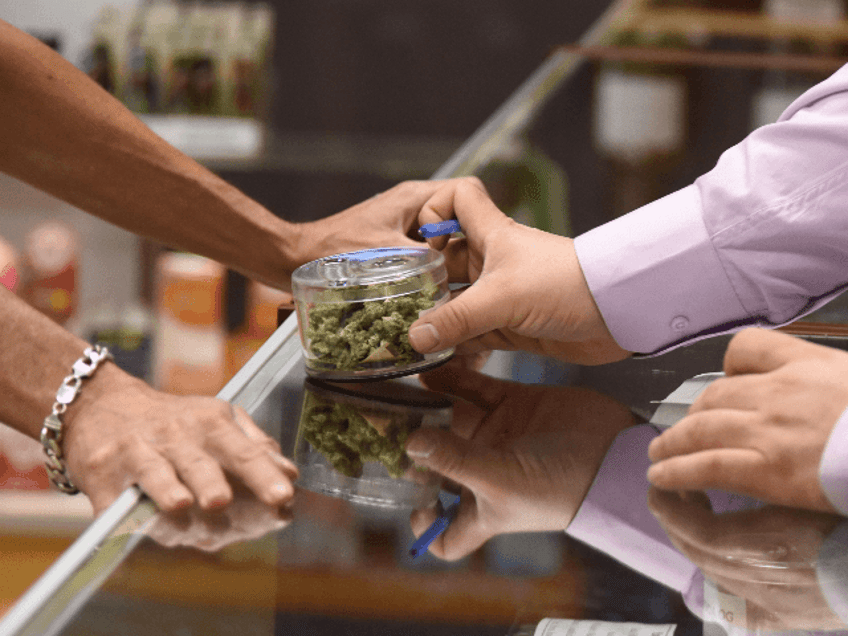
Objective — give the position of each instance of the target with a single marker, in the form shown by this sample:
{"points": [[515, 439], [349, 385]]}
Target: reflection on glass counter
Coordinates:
{"points": [[556, 520], [350, 443]]}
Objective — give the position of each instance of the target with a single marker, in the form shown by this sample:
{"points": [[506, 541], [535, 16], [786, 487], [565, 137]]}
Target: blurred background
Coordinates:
{"points": [[311, 106]]}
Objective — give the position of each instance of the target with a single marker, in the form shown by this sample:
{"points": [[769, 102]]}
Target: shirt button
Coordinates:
{"points": [[679, 323]]}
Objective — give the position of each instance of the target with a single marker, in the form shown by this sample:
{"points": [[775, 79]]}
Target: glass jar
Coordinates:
{"points": [[354, 311]]}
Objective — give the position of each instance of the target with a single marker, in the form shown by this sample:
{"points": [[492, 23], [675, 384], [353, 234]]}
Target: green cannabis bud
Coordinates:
{"points": [[349, 437], [368, 334]]}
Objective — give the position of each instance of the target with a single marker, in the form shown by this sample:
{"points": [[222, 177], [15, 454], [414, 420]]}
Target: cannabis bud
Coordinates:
{"points": [[355, 310]]}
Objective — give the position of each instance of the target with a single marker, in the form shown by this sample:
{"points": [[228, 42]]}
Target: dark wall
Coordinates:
{"points": [[436, 67]]}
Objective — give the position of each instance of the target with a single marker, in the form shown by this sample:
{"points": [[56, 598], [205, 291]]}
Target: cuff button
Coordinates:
{"points": [[680, 323]]}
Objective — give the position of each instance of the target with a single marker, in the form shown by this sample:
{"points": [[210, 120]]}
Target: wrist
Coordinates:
{"points": [[290, 246], [108, 379], [54, 426]]}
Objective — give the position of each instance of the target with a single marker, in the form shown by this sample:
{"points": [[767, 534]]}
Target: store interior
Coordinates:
{"points": [[311, 106]]}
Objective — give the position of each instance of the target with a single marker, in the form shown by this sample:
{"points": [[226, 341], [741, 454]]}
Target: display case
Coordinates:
{"points": [[336, 563], [339, 561]]}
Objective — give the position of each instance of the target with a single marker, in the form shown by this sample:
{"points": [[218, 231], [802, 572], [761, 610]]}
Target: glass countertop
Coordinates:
{"points": [[338, 561]]}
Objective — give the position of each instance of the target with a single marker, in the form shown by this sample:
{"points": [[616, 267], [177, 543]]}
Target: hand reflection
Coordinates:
{"points": [[524, 455], [244, 519], [765, 556]]}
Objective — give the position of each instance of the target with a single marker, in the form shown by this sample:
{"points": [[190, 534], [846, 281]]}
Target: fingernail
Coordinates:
{"points": [[418, 449], [180, 499], [280, 460], [424, 337], [281, 491]]}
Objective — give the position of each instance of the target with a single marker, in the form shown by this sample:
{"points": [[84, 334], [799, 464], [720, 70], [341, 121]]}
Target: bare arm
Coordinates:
{"points": [[119, 431], [35, 355], [62, 133]]}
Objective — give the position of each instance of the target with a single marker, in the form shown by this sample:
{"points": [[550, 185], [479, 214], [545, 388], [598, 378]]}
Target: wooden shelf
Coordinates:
{"points": [[701, 22]]}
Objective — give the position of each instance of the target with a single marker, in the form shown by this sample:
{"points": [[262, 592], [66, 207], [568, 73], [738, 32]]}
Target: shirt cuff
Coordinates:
{"points": [[614, 517], [660, 254], [833, 474]]}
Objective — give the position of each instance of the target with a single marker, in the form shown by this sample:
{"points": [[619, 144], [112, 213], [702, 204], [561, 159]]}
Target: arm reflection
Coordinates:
{"points": [[524, 456], [770, 557]]}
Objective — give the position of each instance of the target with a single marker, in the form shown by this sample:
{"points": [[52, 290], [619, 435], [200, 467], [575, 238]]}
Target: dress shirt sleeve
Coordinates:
{"points": [[614, 516], [761, 239]]}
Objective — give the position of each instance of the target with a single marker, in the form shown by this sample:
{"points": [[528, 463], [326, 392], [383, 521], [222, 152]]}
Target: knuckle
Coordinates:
{"points": [[469, 186], [99, 459], [196, 460], [404, 188], [476, 182], [451, 463], [247, 453], [741, 346], [220, 410], [714, 395], [456, 318]]}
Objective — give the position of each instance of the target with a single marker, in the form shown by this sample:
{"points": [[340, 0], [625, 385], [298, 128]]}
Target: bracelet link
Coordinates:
{"points": [[52, 430], [53, 423]]}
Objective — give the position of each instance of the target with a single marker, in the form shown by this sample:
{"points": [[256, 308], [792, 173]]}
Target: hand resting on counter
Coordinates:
{"points": [[762, 430]]}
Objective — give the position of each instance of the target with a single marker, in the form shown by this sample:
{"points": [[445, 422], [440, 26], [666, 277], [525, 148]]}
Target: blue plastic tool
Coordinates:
{"points": [[432, 230], [439, 526]]}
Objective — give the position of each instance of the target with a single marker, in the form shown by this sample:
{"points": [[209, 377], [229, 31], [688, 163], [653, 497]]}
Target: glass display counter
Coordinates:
{"points": [[340, 563], [519, 549]]}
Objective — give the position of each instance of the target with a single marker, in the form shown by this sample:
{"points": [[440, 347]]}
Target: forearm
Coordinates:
{"points": [[62, 133], [35, 355], [761, 237]]}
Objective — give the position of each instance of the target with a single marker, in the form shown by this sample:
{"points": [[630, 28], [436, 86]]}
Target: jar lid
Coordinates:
{"points": [[367, 267]]}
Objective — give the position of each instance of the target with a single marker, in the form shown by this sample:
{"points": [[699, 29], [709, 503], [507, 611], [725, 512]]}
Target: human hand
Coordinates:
{"points": [[524, 455], [387, 219], [246, 518], [121, 432], [761, 430], [767, 557], [528, 290]]}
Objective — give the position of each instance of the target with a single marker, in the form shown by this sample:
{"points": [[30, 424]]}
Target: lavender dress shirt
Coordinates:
{"points": [[761, 239]]}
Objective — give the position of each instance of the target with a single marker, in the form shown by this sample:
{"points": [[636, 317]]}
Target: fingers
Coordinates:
{"points": [[705, 430], [477, 388], [463, 536], [269, 475], [484, 306], [456, 261], [731, 469], [253, 432], [466, 200], [453, 457], [741, 392], [229, 441], [157, 477], [761, 350]]}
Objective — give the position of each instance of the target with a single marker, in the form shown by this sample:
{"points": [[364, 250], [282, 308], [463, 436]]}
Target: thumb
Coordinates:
{"points": [[452, 457], [480, 308]]}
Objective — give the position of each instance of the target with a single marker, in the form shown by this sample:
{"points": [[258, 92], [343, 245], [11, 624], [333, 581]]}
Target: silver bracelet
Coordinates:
{"points": [[51, 434]]}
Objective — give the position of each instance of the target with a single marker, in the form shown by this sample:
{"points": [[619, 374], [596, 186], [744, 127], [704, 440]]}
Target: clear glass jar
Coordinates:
{"points": [[354, 311]]}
